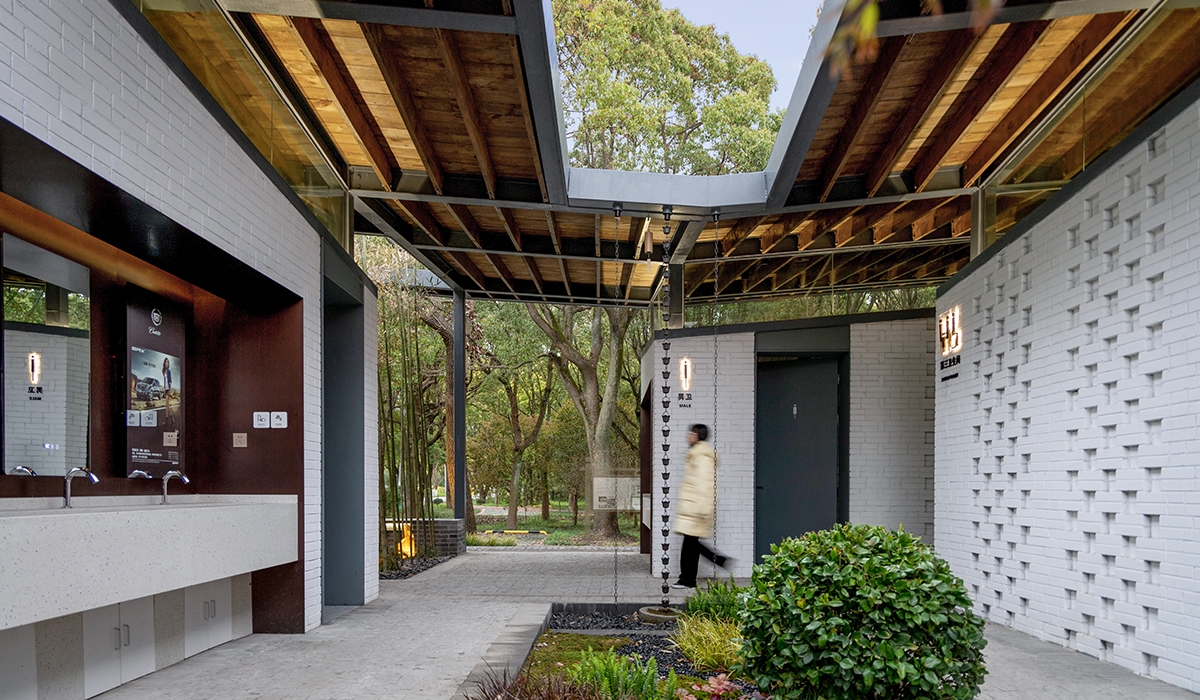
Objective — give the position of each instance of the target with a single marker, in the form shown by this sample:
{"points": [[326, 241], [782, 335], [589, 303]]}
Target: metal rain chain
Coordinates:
{"points": [[716, 217], [666, 404], [617, 258]]}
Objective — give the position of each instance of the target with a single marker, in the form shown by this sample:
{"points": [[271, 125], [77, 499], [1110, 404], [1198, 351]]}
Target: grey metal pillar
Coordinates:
{"points": [[675, 279], [460, 404], [983, 220]]}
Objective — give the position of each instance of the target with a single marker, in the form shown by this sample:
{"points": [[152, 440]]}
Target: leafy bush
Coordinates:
{"points": [[718, 600], [474, 540], [622, 677], [711, 644], [860, 612]]}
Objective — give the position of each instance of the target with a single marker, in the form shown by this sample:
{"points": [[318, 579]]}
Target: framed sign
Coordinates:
{"points": [[155, 346]]}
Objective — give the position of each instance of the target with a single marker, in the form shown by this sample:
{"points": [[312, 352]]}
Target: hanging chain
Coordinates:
{"points": [[716, 379], [666, 404], [617, 257]]}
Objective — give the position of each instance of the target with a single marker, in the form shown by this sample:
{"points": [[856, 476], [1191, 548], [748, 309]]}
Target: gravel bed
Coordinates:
{"points": [[669, 658], [604, 621], [412, 567]]}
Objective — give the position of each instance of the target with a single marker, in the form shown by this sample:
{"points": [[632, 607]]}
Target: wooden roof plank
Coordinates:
{"points": [[1007, 55], [511, 227], [452, 59], [951, 59], [463, 217], [868, 97], [400, 90], [1049, 85]]}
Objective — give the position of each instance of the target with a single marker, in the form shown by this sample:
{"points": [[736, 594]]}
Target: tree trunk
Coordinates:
{"points": [[545, 494], [470, 524], [448, 430], [574, 508], [514, 493]]}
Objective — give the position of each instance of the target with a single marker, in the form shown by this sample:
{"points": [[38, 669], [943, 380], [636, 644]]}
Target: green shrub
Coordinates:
{"points": [[718, 600], [622, 677], [860, 612], [474, 540], [710, 643]]}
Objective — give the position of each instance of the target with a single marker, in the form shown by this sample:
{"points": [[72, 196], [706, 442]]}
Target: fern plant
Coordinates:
{"points": [[621, 677]]}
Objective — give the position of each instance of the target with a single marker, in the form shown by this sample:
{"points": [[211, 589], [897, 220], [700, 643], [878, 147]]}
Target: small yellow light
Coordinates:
{"points": [[35, 368]]}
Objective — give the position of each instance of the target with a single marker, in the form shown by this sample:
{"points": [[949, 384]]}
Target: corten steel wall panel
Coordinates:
{"points": [[1067, 447]]}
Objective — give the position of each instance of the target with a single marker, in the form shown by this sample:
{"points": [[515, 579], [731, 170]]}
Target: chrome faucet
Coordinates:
{"points": [[67, 483], [171, 475], [22, 470], [139, 474]]}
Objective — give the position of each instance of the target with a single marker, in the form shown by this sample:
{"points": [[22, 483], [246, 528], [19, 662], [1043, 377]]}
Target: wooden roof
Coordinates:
{"points": [[438, 114]]}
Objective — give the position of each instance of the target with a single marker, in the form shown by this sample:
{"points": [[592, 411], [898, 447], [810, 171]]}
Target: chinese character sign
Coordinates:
{"points": [[950, 332]]}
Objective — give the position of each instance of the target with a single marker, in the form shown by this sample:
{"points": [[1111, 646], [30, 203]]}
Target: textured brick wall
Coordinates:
{"points": [[77, 76], [891, 425], [1067, 452], [371, 453], [56, 416], [732, 426]]}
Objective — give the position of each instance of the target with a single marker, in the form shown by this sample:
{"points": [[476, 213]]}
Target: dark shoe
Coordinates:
{"points": [[724, 562], [679, 584]]}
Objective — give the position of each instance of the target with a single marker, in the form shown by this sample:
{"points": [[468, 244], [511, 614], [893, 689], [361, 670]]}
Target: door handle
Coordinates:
{"points": [[117, 647], [126, 634], [206, 610]]}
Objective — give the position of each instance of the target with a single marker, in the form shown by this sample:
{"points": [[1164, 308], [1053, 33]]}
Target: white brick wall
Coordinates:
{"points": [[77, 76], [891, 425], [732, 435], [57, 416], [1067, 452], [371, 453]]}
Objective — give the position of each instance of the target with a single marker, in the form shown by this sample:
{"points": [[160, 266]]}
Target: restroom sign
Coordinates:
{"points": [[950, 331]]}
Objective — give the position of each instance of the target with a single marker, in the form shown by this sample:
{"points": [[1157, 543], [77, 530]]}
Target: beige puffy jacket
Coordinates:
{"points": [[697, 497]]}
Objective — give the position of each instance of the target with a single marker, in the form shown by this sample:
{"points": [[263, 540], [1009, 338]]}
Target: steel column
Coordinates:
{"points": [[460, 404]]}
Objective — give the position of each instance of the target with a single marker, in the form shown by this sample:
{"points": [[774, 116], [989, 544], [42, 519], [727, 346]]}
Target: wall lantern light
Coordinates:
{"points": [[35, 367], [685, 373], [950, 331]]}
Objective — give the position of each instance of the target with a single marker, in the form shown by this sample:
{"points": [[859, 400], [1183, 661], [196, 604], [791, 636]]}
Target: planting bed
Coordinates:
{"points": [[668, 657], [412, 567], [604, 621]]}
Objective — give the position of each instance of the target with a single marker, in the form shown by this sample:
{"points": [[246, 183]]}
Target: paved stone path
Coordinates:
{"points": [[424, 636]]}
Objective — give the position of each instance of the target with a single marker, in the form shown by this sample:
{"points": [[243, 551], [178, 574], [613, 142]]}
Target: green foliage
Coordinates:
{"points": [[622, 677], [860, 612], [645, 89], [554, 651], [718, 601], [710, 643], [477, 540]]}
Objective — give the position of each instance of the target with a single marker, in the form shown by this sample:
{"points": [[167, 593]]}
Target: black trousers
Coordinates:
{"points": [[689, 559]]}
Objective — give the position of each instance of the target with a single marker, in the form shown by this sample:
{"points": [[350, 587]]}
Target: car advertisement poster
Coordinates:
{"points": [[155, 332]]}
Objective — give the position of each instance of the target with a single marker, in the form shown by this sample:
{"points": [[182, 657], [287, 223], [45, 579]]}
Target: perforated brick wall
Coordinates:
{"points": [[80, 78], [1067, 453]]}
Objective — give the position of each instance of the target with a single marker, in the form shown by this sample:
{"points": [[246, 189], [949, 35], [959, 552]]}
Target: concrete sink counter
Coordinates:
{"points": [[56, 561]]}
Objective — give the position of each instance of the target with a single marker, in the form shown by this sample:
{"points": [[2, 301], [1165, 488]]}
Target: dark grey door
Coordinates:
{"points": [[796, 471]]}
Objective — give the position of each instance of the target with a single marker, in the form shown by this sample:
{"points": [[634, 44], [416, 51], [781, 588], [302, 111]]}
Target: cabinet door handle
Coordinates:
{"points": [[126, 634], [117, 646], [214, 608], [206, 610]]}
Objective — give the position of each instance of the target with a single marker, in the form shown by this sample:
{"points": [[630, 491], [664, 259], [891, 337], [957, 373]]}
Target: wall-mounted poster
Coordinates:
{"points": [[155, 333]]}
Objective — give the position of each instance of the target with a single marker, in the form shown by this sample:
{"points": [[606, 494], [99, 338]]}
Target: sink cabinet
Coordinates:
{"points": [[118, 644], [207, 615]]}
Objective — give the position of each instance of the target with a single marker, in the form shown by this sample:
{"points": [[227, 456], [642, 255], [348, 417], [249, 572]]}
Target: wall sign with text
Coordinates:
{"points": [[950, 340], [154, 398]]}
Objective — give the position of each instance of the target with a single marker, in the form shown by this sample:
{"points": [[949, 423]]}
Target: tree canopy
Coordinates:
{"points": [[645, 89]]}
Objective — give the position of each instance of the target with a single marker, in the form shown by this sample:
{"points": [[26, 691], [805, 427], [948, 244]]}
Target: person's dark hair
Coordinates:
{"points": [[701, 431]]}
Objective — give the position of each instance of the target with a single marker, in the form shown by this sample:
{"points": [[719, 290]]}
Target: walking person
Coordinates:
{"points": [[697, 506]]}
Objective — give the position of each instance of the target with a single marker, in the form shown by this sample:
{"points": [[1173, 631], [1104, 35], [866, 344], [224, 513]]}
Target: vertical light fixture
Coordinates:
{"points": [[35, 367]]}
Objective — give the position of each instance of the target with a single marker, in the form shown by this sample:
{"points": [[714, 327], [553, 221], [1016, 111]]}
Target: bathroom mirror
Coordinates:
{"points": [[47, 360]]}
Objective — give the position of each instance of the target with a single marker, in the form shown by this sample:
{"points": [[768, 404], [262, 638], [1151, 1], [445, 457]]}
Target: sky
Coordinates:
{"points": [[774, 30]]}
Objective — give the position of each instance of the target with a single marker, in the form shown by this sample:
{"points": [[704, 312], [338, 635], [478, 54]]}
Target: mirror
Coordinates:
{"points": [[47, 359]]}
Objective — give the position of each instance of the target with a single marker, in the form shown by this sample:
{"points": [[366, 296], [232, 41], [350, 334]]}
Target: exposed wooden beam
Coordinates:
{"points": [[394, 78], [694, 276], [471, 269], [527, 115], [377, 14], [566, 276], [331, 72], [510, 226], [766, 270], [452, 59], [1004, 59], [502, 270], [731, 273], [934, 220], [864, 106], [740, 231], [536, 273], [1098, 32], [419, 212], [935, 82], [641, 237], [625, 280], [783, 227], [469, 225], [555, 234]]}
